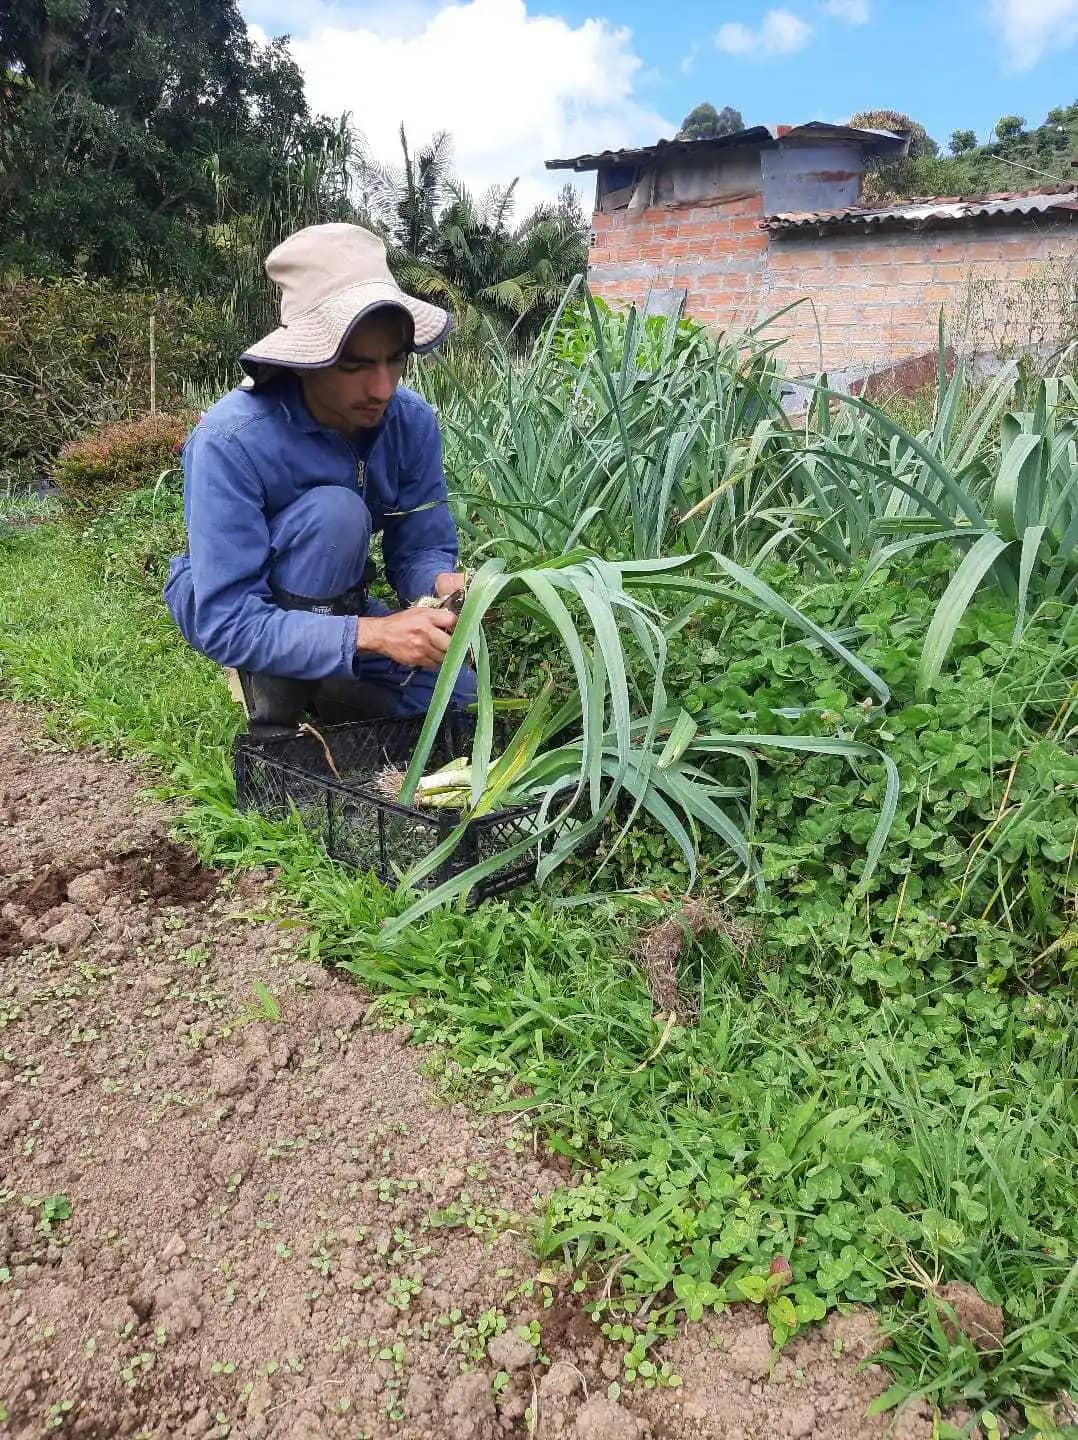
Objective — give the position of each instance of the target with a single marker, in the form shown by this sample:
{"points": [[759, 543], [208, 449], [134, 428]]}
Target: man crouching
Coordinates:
{"points": [[287, 478]]}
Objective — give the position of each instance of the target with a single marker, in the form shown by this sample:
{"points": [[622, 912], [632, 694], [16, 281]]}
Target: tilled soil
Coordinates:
{"points": [[231, 1206]]}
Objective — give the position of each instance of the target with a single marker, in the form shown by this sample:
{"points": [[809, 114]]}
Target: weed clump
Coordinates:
{"points": [[659, 948]]}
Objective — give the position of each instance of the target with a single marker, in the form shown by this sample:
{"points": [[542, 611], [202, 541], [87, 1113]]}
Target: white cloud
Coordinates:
{"points": [[782, 33], [512, 88], [387, 17], [1029, 27], [688, 62], [735, 38], [854, 12]]}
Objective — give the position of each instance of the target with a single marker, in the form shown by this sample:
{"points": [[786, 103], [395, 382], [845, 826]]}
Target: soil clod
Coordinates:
{"points": [[981, 1322]]}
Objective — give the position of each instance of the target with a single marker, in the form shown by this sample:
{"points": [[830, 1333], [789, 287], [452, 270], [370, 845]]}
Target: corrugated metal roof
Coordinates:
{"points": [[876, 142], [881, 142], [933, 210], [758, 135]]}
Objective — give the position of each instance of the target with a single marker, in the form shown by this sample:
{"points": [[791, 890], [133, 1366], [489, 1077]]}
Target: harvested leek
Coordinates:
{"points": [[449, 788], [453, 787]]}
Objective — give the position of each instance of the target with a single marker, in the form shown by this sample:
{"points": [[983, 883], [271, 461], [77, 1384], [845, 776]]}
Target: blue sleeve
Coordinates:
{"points": [[236, 620], [419, 539]]}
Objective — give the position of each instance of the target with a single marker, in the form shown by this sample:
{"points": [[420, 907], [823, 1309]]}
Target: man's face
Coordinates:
{"points": [[353, 394]]}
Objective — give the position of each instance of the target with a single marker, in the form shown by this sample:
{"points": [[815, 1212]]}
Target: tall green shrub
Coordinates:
{"points": [[75, 355]]}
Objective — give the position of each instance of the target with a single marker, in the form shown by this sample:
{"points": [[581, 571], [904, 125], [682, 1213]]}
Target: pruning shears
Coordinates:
{"points": [[453, 602]]}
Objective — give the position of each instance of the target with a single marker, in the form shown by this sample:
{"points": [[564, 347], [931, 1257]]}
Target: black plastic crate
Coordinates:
{"points": [[355, 822]]}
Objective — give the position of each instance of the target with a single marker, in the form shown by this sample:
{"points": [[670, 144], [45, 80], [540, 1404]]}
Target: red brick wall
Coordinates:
{"points": [[715, 252], [877, 297]]}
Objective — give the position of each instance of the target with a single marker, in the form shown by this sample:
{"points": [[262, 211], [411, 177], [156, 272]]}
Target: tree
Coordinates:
{"points": [[1009, 127], [152, 141], [107, 116], [1046, 151], [704, 122], [456, 250], [570, 207], [308, 186], [405, 200], [921, 143]]}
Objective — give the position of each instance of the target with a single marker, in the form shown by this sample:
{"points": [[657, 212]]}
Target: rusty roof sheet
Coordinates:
{"points": [[876, 142], [758, 135], [931, 211]]}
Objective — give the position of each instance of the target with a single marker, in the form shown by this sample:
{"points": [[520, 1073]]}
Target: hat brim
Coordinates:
{"points": [[316, 338]]}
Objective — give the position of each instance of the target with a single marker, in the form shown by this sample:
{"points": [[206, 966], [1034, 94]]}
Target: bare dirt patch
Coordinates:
{"points": [[215, 1223]]}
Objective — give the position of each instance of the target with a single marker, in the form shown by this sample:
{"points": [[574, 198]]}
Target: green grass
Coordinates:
{"points": [[867, 1092], [104, 657]]}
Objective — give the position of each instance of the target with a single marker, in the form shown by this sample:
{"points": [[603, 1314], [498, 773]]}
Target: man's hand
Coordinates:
{"points": [[417, 638], [448, 583]]}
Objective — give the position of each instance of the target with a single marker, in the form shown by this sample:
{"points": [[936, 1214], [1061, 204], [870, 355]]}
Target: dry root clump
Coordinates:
{"points": [[388, 782], [659, 948]]}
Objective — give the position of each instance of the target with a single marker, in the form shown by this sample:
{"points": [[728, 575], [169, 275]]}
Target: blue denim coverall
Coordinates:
{"points": [[280, 511]]}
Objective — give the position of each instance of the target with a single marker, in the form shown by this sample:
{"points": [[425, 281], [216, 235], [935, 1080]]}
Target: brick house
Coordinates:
{"points": [[734, 229]]}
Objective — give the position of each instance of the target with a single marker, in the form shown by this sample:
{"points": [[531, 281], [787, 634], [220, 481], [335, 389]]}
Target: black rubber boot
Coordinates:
{"points": [[278, 706], [275, 705]]}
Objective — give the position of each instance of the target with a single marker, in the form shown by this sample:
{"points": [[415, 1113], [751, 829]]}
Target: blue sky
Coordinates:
{"points": [[947, 64], [944, 64], [517, 82]]}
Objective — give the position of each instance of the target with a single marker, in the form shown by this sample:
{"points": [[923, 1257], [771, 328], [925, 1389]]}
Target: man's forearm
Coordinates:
{"points": [[370, 635]]}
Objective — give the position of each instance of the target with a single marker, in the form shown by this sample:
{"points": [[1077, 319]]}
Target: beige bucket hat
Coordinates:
{"points": [[330, 276]]}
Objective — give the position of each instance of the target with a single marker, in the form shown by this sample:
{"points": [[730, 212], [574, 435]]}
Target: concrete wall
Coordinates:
{"points": [[877, 297]]}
